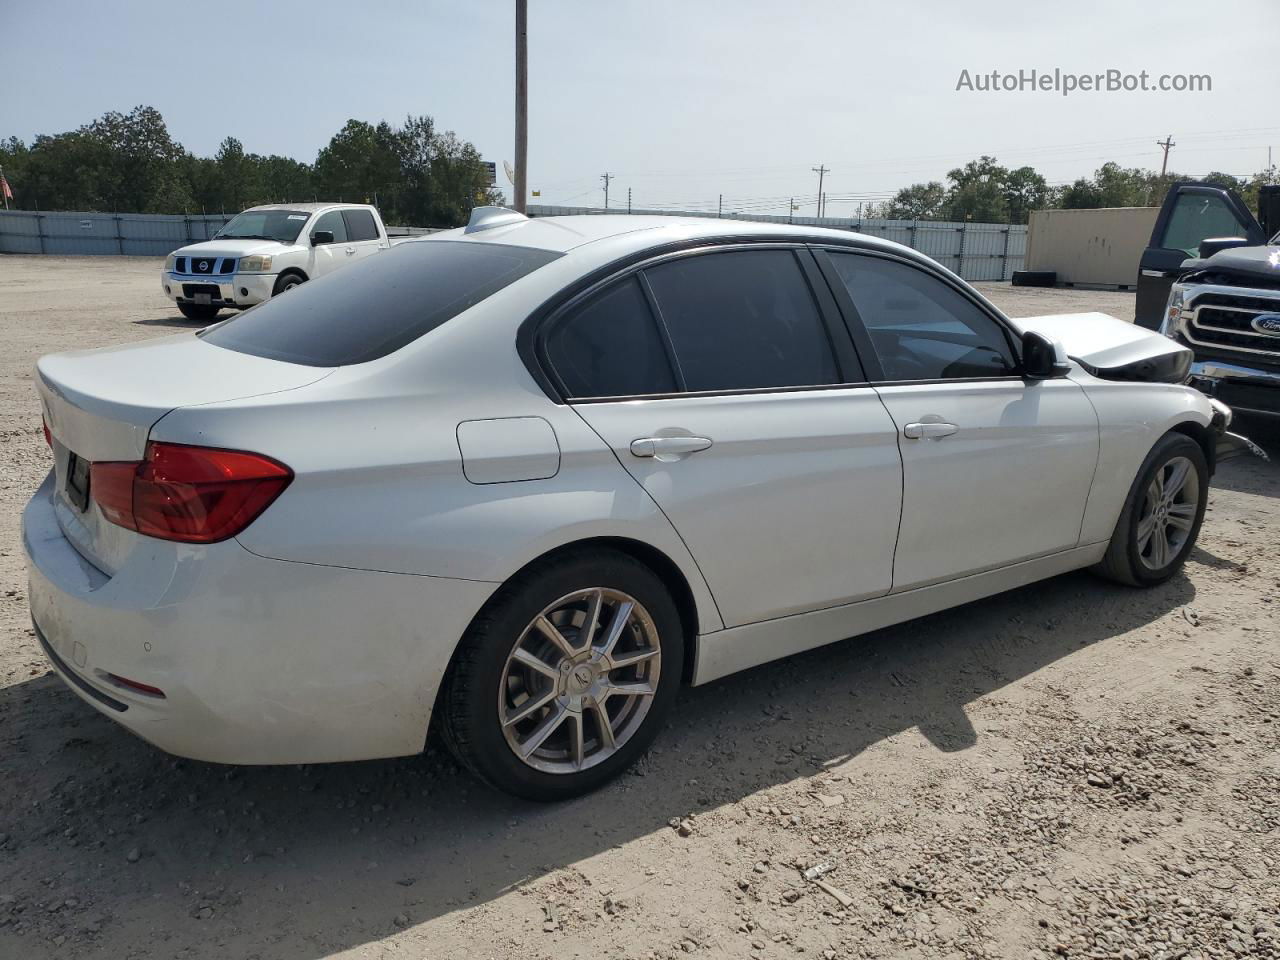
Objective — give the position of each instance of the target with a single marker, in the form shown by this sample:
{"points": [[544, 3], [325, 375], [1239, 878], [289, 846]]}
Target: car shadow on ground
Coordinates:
{"points": [[177, 321], [346, 849]]}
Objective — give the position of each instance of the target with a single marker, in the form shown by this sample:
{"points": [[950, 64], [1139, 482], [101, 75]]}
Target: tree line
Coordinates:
{"points": [[128, 163], [984, 191]]}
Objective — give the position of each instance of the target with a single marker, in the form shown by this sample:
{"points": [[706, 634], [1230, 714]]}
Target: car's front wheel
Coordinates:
{"points": [[565, 677], [1162, 514]]}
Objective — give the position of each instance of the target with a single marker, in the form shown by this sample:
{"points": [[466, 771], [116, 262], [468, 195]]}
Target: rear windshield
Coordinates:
{"points": [[378, 305]]}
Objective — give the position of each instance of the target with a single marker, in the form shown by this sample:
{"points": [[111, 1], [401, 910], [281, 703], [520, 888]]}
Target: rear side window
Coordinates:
{"points": [[360, 225], [610, 346], [921, 328], [333, 222], [377, 305], [743, 319]]}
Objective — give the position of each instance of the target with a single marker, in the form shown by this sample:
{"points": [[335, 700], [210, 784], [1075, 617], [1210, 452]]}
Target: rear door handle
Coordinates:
{"points": [[928, 431], [668, 448]]}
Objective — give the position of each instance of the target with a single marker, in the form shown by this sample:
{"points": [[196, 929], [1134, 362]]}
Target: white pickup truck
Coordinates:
{"points": [[266, 250]]}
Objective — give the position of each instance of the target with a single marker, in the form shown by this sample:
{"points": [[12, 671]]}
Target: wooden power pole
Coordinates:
{"points": [[522, 100], [1166, 143]]}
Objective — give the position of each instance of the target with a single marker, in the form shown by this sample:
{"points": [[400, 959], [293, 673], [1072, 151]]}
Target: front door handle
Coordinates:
{"points": [[928, 431], [351, 251], [668, 448]]}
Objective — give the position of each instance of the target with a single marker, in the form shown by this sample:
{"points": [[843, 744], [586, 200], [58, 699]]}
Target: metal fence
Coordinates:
{"points": [[975, 251], [119, 234]]}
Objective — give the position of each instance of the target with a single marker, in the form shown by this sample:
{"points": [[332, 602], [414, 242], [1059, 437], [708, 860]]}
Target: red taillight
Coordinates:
{"points": [[191, 494], [137, 685], [48, 434]]}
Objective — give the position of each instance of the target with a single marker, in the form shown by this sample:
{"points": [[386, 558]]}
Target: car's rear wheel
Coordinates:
{"points": [[205, 312], [286, 281], [565, 677], [1162, 515]]}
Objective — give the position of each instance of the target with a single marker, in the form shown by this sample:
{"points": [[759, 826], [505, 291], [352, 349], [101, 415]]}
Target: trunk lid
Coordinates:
{"points": [[100, 405]]}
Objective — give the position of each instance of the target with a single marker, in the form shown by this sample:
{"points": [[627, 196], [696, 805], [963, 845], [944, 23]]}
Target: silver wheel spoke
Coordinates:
{"points": [[1145, 528], [592, 619], [1155, 492], [542, 731], [552, 633], [1177, 479], [1160, 546], [619, 623], [523, 656], [577, 745], [630, 658], [637, 688], [530, 707], [604, 725], [1182, 515]]}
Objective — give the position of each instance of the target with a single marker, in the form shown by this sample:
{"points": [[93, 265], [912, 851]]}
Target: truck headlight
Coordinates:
{"points": [[1173, 311], [169, 263], [257, 264]]}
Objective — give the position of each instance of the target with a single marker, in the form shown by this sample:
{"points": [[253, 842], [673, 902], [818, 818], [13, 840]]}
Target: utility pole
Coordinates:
{"points": [[720, 207], [628, 200], [606, 177], [791, 206], [821, 171], [522, 100], [1166, 143]]}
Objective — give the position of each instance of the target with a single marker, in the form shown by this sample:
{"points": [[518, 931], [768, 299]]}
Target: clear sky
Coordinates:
{"points": [[682, 101]]}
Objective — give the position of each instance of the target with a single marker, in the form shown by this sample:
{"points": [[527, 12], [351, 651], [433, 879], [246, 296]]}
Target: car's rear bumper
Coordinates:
{"points": [[234, 290], [260, 661]]}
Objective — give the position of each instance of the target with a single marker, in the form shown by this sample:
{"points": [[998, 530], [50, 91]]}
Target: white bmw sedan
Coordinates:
{"points": [[526, 478]]}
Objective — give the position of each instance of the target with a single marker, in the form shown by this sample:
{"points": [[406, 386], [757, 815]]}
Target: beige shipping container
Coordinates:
{"points": [[1101, 246]]}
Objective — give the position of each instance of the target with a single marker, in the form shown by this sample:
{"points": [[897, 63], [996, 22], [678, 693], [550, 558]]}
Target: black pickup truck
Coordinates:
{"points": [[1210, 279]]}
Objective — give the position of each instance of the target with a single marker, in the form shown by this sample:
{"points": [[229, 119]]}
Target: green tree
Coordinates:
{"points": [[920, 201]]}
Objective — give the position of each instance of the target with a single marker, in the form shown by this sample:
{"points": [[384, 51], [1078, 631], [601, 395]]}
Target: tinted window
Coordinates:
{"points": [[610, 347], [743, 319], [1198, 216], [360, 225], [333, 222], [921, 327], [377, 305]]}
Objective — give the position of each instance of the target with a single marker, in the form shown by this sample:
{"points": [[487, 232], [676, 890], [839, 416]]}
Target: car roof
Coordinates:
{"points": [[566, 233], [306, 207]]}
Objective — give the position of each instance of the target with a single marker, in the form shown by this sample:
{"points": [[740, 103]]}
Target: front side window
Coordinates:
{"points": [[743, 319], [360, 225], [1199, 216], [922, 328], [333, 222], [377, 305], [282, 226], [610, 346]]}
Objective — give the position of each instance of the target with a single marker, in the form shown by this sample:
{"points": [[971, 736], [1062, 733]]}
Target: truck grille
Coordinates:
{"points": [[205, 266], [1226, 320]]}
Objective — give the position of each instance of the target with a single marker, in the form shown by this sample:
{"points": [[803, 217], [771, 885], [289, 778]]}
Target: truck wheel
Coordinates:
{"points": [[286, 281], [198, 311]]}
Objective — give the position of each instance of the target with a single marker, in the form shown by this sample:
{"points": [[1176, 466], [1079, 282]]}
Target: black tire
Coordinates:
{"points": [[1124, 561], [469, 698], [286, 281], [204, 312]]}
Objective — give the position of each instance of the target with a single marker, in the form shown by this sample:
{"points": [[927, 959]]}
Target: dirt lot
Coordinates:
{"points": [[1073, 769]]}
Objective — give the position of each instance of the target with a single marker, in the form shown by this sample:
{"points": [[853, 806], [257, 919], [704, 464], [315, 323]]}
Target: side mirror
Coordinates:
{"points": [[321, 237], [1042, 358], [1212, 245]]}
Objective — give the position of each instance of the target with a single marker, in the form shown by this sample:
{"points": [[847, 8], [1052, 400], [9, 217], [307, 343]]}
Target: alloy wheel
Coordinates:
{"points": [[1168, 516], [579, 681]]}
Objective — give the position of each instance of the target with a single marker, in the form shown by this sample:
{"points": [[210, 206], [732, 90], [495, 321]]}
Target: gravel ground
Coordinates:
{"points": [[1074, 769]]}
